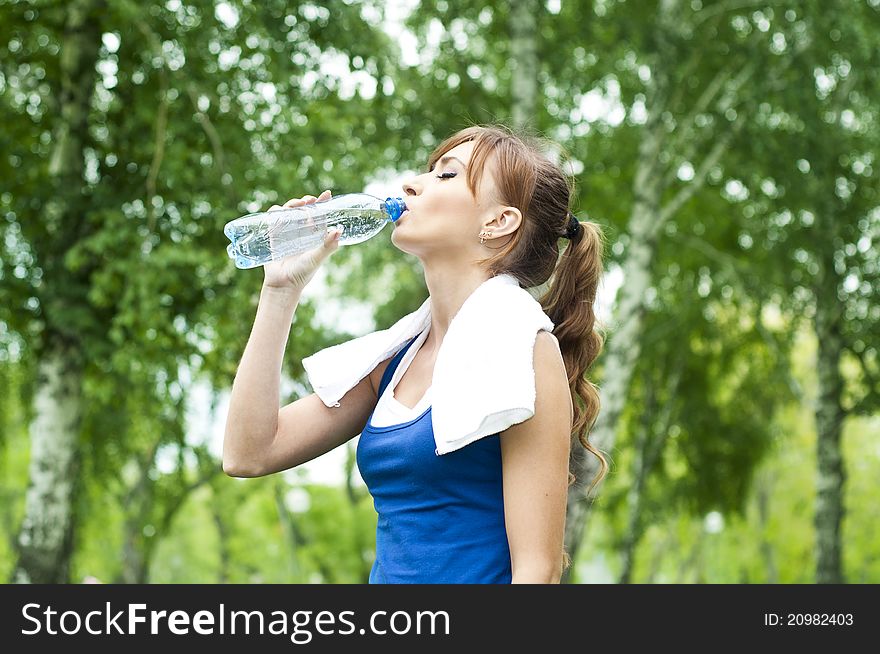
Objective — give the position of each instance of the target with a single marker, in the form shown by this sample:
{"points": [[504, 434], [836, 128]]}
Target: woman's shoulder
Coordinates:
{"points": [[550, 371], [548, 355]]}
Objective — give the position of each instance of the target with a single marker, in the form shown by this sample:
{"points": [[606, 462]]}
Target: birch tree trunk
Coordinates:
{"points": [[648, 217], [137, 502], [623, 346], [45, 538], [634, 504], [134, 553], [150, 516], [763, 497], [650, 445], [833, 216], [524, 62], [831, 474]]}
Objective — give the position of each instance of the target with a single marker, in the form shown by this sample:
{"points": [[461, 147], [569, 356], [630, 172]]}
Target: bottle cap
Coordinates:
{"points": [[395, 207]]}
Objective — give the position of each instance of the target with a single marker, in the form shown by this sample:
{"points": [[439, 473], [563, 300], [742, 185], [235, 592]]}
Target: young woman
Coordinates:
{"points": [[494, 511]]}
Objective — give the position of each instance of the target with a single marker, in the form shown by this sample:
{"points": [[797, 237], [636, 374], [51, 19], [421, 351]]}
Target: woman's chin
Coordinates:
{"points": [[404, 243], [396, 240]]}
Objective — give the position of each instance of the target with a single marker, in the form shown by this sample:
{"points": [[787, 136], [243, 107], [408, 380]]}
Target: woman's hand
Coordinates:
{"points": [[295, 271]]}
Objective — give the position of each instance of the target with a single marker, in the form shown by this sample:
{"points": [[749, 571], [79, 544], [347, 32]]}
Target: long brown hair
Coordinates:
{"points": [[525, 178]]}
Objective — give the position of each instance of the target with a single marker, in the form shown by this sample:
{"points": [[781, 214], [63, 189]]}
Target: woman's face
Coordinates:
{"points": [[443, 221]]}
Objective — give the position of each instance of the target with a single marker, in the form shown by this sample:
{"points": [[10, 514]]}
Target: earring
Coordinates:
{"points": [[484, 235]]}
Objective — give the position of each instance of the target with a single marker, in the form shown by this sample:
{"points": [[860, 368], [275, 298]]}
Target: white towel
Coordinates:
{"points": [[484, 377]]}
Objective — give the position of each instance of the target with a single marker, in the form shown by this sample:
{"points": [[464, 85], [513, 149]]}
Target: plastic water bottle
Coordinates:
{"points": [[265, 236]]}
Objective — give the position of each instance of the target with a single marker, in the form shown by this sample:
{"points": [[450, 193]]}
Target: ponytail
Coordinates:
{"points": [[570, 305]]}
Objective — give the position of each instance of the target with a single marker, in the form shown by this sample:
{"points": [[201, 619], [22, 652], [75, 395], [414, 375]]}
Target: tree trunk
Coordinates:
{"points": [[649, 215], [764, 494], [635, 493], [137, 503], [634, 527], [140, 546], [524, 62], [831, 474], [134, 558], [620, 358], [653, 435], [623, 345], [135, 546], [45, 539]]}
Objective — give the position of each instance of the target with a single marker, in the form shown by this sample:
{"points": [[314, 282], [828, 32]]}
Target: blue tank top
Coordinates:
{"points": [[441, 517]]}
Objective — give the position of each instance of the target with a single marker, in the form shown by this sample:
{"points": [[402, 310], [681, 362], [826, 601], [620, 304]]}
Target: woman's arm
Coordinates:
{"points": [[252, 421], [535, 469]]}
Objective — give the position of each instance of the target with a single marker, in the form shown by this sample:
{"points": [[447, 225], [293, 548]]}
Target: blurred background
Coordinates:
{"points": [[727, 148]]}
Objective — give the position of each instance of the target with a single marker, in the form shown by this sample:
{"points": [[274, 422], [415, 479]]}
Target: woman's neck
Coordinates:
{"points": [[448, 288]]}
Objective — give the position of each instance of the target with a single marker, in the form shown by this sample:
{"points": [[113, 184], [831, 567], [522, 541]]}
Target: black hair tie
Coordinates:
{"points": [[573, 226]]}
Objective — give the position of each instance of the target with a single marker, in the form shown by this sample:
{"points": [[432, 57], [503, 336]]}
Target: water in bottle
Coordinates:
{"points": [[259, 238]]}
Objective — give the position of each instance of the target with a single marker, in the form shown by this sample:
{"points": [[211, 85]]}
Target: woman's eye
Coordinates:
{"points": [[448, 175]]}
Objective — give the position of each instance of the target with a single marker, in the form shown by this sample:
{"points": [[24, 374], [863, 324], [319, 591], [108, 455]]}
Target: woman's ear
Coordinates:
{"points": [[506, 222]]}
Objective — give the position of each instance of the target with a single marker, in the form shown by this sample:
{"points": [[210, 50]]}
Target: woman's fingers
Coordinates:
{"points": [[306, 199]]}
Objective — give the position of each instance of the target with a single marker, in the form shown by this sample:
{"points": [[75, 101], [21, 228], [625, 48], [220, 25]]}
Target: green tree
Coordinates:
{"points": [[819, 219], [136, 131]]}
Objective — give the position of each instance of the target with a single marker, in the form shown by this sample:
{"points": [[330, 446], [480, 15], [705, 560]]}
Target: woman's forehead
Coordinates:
{"points": [[463, 151]]}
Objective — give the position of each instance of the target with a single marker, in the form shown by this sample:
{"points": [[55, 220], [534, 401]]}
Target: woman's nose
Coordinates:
{"points": [[409, 189]]}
